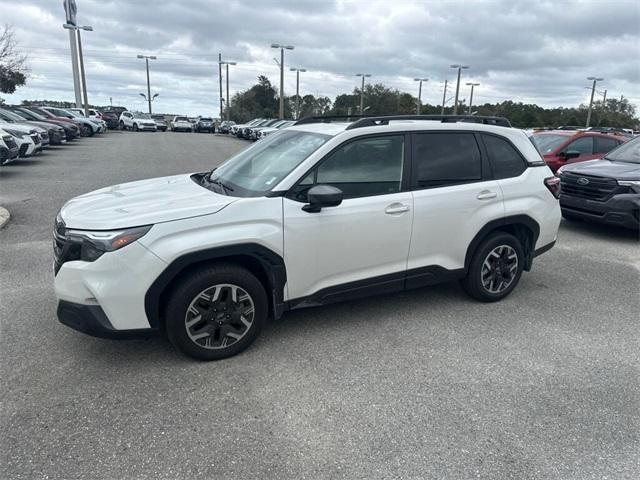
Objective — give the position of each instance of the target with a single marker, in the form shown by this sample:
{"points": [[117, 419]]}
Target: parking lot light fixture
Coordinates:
{"points": [[471, 84], [147, 58], [282, 49], [298, 70], [593, 91], [459, 68], [363, 75], [419, 104]]}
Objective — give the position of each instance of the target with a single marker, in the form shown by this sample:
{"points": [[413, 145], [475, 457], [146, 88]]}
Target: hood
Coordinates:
{"points": [[605, 168], [142, 203], [20, 127]]}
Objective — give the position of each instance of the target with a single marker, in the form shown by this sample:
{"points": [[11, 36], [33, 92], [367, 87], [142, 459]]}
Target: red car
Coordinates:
{"points": [[560, 147]]}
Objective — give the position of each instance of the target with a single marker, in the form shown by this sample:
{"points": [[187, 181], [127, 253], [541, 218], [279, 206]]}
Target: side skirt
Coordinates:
{"points": [[391, 283]]}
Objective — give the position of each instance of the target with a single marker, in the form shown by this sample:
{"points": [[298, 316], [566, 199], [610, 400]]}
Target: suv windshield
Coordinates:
{"points": [[205, 119], [549, 143], [182, 119], [262, 166], [627, 152], [142, 115]]}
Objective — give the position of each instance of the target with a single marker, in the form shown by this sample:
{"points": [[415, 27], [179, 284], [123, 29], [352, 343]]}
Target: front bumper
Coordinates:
{"points": [[91, 319], [116, 282], [8, 154], [622, 210]]}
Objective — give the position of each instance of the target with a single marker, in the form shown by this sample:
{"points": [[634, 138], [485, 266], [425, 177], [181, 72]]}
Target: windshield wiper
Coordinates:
{"points": [[206, 181]]}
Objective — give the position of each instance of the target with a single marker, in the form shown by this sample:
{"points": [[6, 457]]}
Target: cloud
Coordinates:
{"points": [[538, 52]]}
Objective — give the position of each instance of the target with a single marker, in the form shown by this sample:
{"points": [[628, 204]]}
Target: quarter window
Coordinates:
{"points": [[442, 159], [584, 145], [505, 160]]}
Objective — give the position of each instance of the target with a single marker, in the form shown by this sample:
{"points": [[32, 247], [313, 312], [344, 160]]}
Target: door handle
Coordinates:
{"points": [[486, 195], [396, 208]]}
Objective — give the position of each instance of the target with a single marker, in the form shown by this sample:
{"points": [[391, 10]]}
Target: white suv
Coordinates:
{"points": [[137, 121], [317, 213]]}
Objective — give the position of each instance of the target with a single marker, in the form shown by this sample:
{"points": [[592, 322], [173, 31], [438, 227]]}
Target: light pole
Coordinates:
{"points": [[444, 96], [460, 68], [471, 84], [419, 105], [227, 101], [146, 59], [83, 79], [298, 70], [282, 49], [593, 90], [363, 75], [152, 98]]}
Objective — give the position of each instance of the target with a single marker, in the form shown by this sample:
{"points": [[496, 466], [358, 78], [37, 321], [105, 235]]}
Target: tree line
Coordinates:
{"points": [[261, 100]]}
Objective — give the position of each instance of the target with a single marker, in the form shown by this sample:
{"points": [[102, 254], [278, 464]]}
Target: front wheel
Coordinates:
{"points": [[495, 269], [135, 127], [216, 312]]}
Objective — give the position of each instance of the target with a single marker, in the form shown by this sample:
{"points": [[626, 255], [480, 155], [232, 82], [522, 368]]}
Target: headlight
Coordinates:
{"points": [[16, 133], [95, 243], [634, 184]]}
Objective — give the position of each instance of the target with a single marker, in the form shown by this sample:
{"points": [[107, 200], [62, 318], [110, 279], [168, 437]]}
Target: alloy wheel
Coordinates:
{"points": [[219, 316], [499, 269]]}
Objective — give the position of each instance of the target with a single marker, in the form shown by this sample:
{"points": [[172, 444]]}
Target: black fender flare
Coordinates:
{"points": [[271, 263], [500, 224]]}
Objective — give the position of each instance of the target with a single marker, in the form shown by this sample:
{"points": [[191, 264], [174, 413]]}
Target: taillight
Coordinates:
{"points": [[553, 184]]}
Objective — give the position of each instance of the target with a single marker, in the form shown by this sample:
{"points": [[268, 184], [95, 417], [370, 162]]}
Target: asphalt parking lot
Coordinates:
{"points": [[421, 384]]}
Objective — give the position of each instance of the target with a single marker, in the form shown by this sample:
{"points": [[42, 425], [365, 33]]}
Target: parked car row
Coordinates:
{"points": [[27, 130], [255, 129]]}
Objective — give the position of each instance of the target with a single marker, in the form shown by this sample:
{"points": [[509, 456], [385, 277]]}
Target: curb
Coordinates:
{"points": [[4, 216]]}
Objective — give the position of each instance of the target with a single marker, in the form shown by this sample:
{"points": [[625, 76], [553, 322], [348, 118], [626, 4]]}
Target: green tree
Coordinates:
{"points": [[13, 69]]}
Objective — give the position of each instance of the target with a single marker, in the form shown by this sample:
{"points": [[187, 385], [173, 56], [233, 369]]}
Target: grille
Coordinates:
{"points": [[63, 249], [591, 188], [36, 138]]}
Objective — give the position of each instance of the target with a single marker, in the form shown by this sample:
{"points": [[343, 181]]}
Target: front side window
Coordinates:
{"points": [[505, 160], [361, 168], [441, 159], [263, 165], [584, 145]]}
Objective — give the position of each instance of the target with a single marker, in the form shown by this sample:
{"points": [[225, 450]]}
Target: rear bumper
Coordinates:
{"points": [[91, 320], [622, 210]]}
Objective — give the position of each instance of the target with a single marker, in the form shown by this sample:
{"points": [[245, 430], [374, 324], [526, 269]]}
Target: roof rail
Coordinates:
{"points": [[384, 120], [329, 119]]}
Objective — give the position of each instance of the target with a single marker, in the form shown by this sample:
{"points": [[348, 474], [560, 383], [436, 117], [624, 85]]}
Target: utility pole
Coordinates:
{"points": [[220, 77], [147, 58], [419, 105], [444, 96], [363, 75], [593, 91], [471, 97], [298, 70], [220, 62], [460, 68], [282, 49]]}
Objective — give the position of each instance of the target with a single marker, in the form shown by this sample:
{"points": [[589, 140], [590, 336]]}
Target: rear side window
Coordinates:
{"points": [[505, 159], [604, 145], [441, 159], [584, 145]]}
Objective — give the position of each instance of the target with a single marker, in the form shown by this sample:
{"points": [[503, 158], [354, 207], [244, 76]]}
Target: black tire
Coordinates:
{"points": [[122, 126], [473, 283], [135, 127], [188, 291]]}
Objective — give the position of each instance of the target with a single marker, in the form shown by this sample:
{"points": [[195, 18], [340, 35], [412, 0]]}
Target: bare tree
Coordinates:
{"points": [[13, 68]]}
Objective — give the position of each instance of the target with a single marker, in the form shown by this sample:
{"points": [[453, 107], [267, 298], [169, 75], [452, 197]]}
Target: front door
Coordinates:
{"points": [[366, 238]]}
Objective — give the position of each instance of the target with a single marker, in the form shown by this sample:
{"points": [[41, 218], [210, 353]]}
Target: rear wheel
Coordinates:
{"points": [[85, 130], [495, 269], [216, 312]]}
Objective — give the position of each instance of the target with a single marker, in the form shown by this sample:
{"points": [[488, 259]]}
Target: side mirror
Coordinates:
{"points": [[570, 154], [322, 196]]}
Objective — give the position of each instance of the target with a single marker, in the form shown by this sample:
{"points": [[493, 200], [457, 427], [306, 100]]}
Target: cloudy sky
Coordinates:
{"points": [[529, 51]]}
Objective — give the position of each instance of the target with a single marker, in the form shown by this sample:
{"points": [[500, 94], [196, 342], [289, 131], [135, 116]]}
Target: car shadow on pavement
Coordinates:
{"points": [[601, 231]]}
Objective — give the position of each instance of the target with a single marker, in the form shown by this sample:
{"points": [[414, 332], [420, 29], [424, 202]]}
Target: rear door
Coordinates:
{"points": [[603, 145], [454, 197]]}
